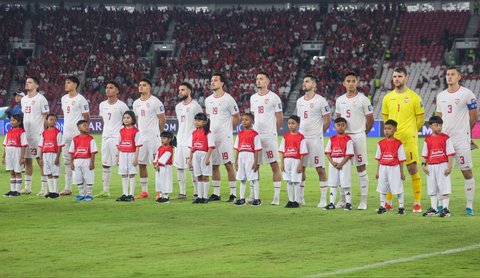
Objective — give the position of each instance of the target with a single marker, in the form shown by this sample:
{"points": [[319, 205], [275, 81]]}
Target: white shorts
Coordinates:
{"points": [[49, 167], [181, 156], [223, 152], [290, 166], [32, 148], [245, 163], [437, 182], [341, 177], [359, 148], [198, 164], [12, 159], [82, 173], [389, 180], [147, 152], [125, 164], [66, 155], [164, 179], [316, 154], [109, 151], [463, 156], [269, 152]]}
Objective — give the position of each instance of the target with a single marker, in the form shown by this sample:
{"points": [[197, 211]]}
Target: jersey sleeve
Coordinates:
{"points": [[235, 145], [449, 147], [211, 142], [60, 140], [23, 139], [437, 109], [159, 108], [93, 146], [44, 106], [385, 110], [325, 107], [367, 106], [197, 108], [418, 108], [84, 107], [282, 146], [349, 150], [378, 153], [71, 150], [471, 100], [401, 154], [232, 106], [40, 142], [328, 148], [138, 139], [164, 158], [257, 143], [100, 110], [124, 108], [425, 150], [303, 147], [277, 103]]}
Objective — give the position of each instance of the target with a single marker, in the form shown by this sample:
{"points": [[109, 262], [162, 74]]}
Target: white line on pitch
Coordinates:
{"points": [[396, 261]]}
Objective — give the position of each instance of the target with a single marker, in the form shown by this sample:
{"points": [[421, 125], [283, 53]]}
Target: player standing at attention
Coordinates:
{"points": [[314, 111], [438, 155], [83, 149], [405, 107], [75, 108], [14, 148], [50, 150], [223, 112], [268, 111], [34, 108], [111, 111], [457, 106], [391, 156], [150, 114], [356, 108], [185, 111]]}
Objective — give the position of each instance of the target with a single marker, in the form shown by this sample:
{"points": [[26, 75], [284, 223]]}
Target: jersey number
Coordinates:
{"points": [[225, 156], [28, 109], [316, 160], [462, 160], [359, 158], [68, 109], [261, 110], [182, 118], [269, 154], [305, 114], [449, 108], [142, 113], [215, 110], [109, 116], [398, 107], [347, 114]]}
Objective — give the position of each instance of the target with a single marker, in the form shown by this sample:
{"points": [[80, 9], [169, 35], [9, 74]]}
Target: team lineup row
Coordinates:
{"points": [[207, 140]]}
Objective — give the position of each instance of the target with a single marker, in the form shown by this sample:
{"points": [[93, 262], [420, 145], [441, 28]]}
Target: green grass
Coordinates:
{"points": [[103, 238]]}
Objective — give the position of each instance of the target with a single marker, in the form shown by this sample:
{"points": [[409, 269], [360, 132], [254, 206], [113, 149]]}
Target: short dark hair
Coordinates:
{"points": [[311, 76], [454, 68], [35, 79], [264, 73], [401, 70], [391, 122], [350, 73], [114, 84], [340, 120], [51, 115], [74, 79], [250, 115], [435, 120], [295, 118], [81, 122], [222, 77], [188, 85], [132, 115], [146, 81]]}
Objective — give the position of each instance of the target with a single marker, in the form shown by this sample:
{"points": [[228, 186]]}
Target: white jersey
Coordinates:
{"points": [[265, 108], [311, 114], [354, 109], [34, 110], [73, 107], [186, 121], [220, 110], [147, 112], [112, 115], [455, 109]]}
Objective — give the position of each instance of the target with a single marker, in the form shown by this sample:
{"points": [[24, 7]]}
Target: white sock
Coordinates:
{"points": [[276, 189], [383, 199], [333, 194], [256, 189], [440, 199], [194, 182], [401, 200], [206, 188], [200, 189], [290, 191], [446, 201], [302, 190], [323, 191], [13, 184], [342, 195], [107, 173], [216, 187], [50, 185], [89, 189], [243, 187], [44, 183], [28, 182], [251, 191], [132, 185], [470, 191], [348, 195], [233, 188], [81, 189], [298, 192], [125, 185], [68, 177], [144, 184], [55, 184], [18, 185], [182, 181], [433, 201], [363, 182]]}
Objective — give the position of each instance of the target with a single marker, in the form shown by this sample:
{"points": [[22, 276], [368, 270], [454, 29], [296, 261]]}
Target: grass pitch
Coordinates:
{"points": [[103, 238]]}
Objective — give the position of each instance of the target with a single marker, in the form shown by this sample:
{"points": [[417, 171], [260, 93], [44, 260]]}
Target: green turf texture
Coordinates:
{"points": [[63, 238]]}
